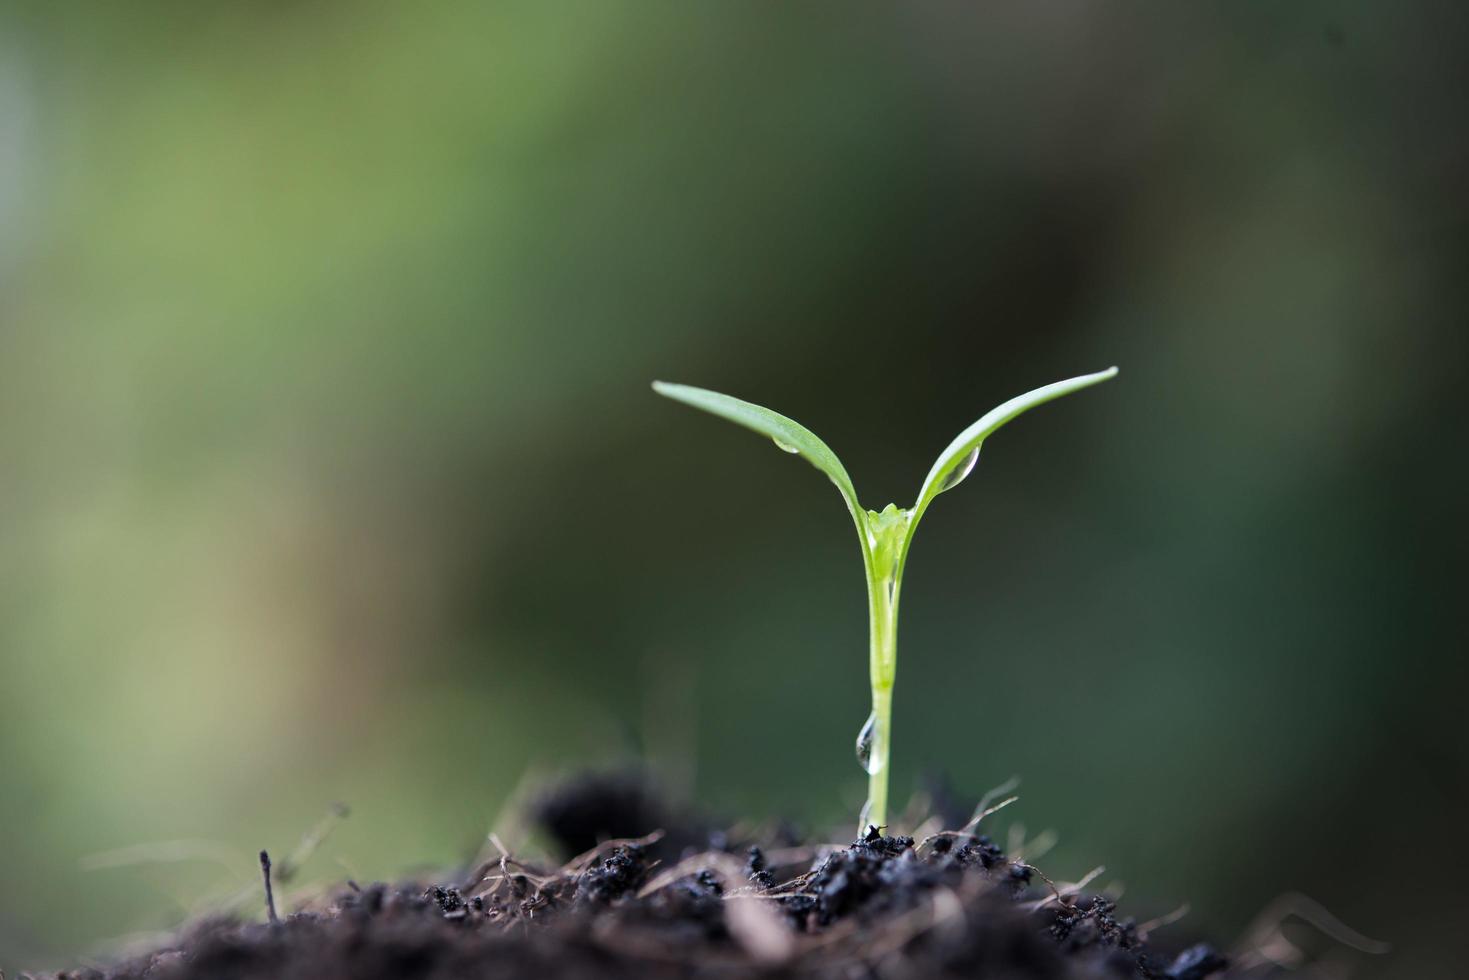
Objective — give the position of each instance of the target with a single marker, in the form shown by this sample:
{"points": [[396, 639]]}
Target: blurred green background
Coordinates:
{"points": [[329, 468]]}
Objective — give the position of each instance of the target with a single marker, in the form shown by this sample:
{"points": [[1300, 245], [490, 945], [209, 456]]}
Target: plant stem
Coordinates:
{"points": [[883, 607]]}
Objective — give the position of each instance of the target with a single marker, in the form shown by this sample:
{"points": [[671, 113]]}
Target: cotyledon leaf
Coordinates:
{"points": [[787, 434], [956, 462]]}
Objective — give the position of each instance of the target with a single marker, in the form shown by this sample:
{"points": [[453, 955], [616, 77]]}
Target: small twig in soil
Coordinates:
{"points": [[286, 870], [269, 892], [1265, 941], [1163, 920], [982, 809], [581, 861], [1055, 892], [970, 827], [1087, 879], [1064, 893], [798, 882], [980, 812], [723, 866], [508, 822], [537, 876]]}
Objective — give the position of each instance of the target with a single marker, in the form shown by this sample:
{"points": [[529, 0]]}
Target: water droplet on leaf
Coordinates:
{"points": [[785, 446], [961, 469]]}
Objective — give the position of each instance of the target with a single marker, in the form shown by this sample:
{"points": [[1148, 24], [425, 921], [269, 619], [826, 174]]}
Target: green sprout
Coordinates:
{"points": [[884, 536]]}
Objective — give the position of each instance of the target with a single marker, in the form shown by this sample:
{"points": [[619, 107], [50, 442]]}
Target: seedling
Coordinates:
{"points": [[884, 536]]}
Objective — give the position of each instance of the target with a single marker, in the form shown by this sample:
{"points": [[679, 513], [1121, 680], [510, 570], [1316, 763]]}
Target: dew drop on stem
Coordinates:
{"points": [[784, 446], [864, 745], [961, 469]]}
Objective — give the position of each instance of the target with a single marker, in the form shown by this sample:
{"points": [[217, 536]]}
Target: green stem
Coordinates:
{"points": [[883, 607], [885, 538]]}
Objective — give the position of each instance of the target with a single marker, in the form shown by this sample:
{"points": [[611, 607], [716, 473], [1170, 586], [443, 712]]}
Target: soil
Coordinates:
{"points": [[656, 894]]}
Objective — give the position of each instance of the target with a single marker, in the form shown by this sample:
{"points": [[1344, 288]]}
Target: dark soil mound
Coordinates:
{"points": [[951, 905]]}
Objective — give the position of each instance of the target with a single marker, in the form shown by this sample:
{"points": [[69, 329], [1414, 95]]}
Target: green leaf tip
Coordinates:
{"points": [[787, 434], [957, 461]]}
